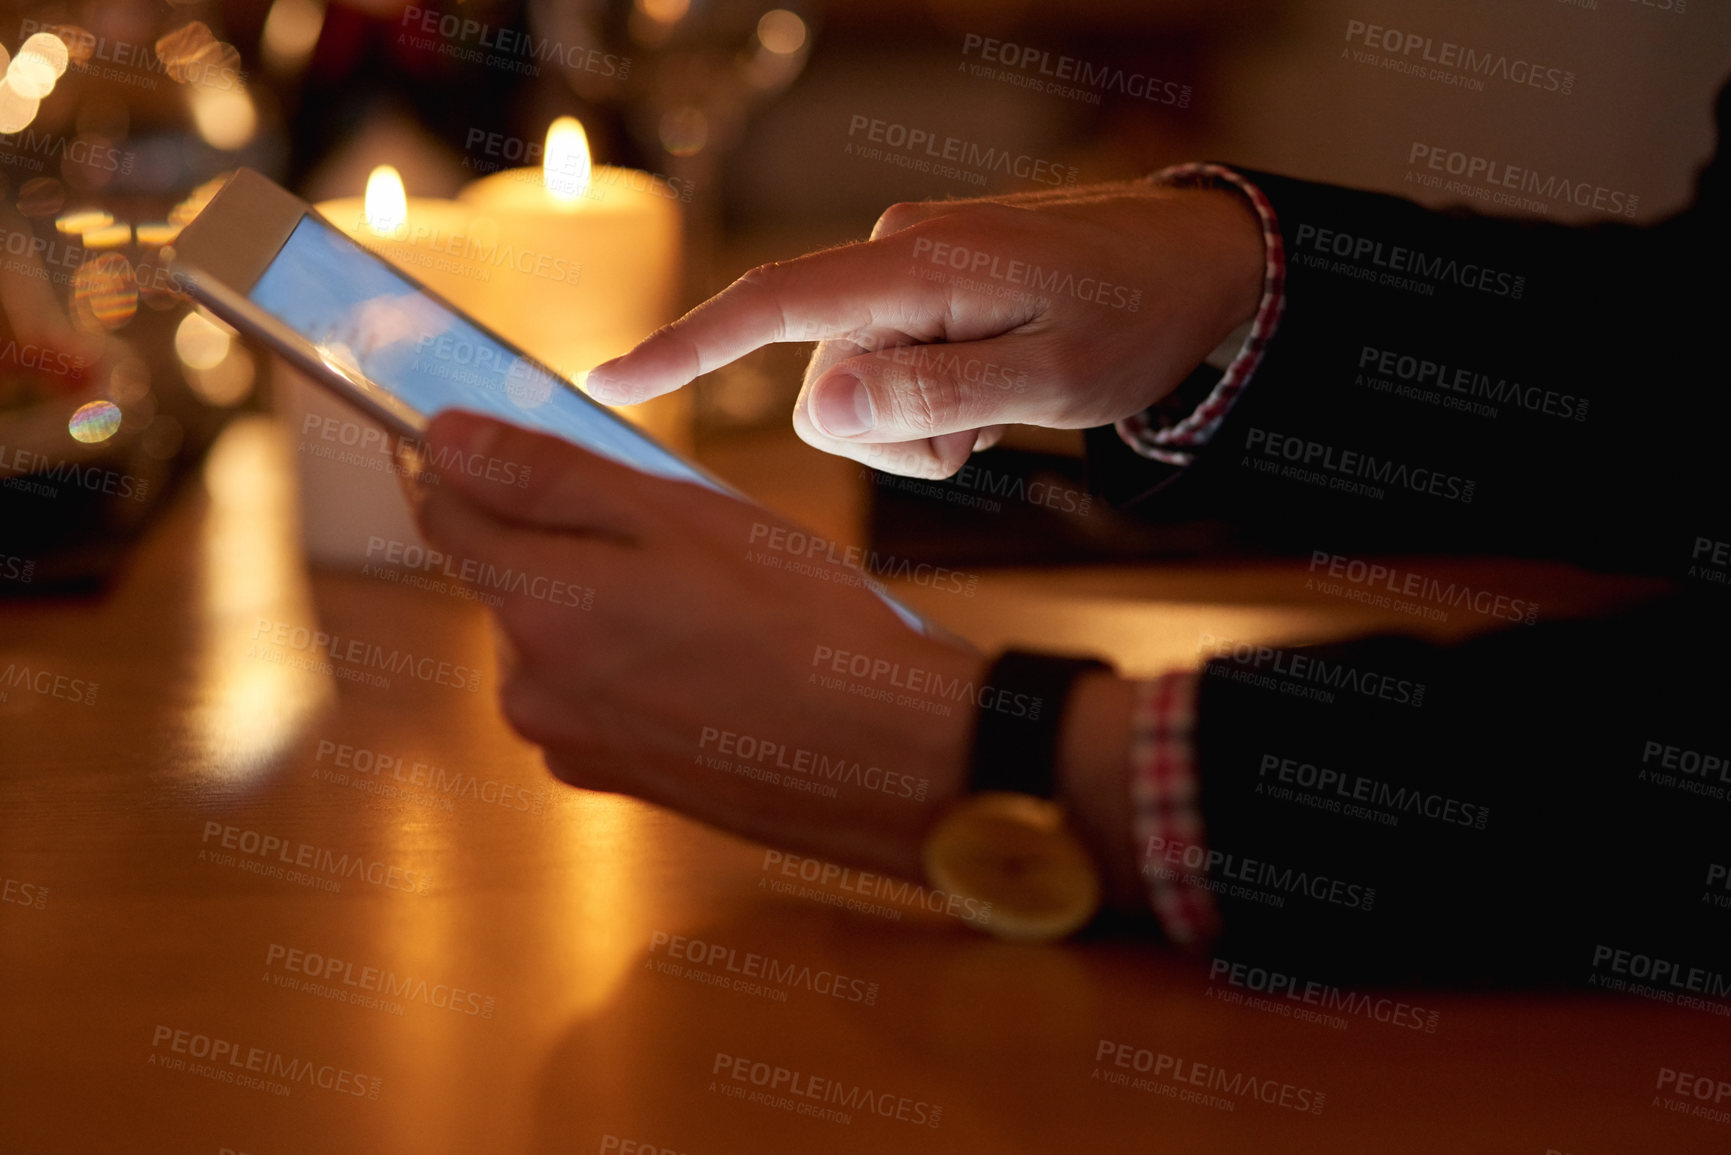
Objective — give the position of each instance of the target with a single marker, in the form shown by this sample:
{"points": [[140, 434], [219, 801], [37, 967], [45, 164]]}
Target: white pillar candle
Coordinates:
{"points": [[620, 227], [350, 497], [440, 243]]}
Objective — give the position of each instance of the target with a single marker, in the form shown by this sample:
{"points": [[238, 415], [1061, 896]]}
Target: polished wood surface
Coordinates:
{"points": [[181, 844]]}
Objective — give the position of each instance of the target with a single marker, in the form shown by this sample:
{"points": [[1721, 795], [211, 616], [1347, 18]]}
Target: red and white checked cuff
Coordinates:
{"points": [[1176, 443], [1165, 808]]}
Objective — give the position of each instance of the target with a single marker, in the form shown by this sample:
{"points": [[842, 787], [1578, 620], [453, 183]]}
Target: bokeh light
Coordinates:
{"points": [[154, 234], [129, 381], [30, 77], [664, 11], [83, 221], [16, 109], [111, 236], [225, 117], [39, 63], [201, 342], [684, 131], [228, 382], [781, 31], [94, 421], [291, 32], [183, 50], [105, 290]]}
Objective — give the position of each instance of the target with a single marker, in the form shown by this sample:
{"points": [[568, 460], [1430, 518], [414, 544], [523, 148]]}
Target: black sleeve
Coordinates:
{"points": [[1547, 803], [1542, 804], [1444, 382]]}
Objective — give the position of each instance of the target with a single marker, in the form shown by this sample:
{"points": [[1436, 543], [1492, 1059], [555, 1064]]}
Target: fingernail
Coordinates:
{"points": [[842, 407], [414, 475], [603, 388]]}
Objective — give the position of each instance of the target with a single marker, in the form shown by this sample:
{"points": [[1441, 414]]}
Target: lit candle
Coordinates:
{"points": [[435, 241], [350, 498], [587, 264]]}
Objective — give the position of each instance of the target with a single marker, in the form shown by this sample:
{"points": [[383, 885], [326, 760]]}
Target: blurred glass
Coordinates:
{"points": [[697, 67], [118, 121]]}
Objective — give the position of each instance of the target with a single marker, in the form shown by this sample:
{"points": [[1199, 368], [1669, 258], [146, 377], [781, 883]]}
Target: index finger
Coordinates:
{"points": [[826, 294]]}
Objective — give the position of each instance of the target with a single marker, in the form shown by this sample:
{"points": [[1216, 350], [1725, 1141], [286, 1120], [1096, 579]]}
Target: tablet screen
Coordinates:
{"points": [[366, 320]]}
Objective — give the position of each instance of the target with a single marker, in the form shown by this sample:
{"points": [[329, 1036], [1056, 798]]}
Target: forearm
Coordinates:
{"points": [[1094, 783], [1445, 382], [1391, 810], [1129, 779], [1500, 826]]}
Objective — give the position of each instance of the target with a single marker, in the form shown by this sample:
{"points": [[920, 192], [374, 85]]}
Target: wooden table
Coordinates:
{"points": [[251, 907]]}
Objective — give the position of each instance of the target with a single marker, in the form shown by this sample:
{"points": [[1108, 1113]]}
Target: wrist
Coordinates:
{"points": [[1030, 838], [1239, 264], [1093, 783], [944, 744]]}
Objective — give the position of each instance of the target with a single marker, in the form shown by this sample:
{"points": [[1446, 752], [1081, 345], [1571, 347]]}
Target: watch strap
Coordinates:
{"points": [[1019, 710]]}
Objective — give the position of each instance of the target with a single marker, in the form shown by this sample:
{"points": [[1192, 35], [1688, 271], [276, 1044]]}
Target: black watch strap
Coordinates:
{"points": [[1018, 712]]}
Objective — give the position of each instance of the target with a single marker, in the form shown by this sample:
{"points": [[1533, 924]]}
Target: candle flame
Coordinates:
{"points": [[565, 169], [387, 205]]}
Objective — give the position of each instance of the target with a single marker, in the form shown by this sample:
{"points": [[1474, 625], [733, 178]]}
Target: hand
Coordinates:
{"points": [[1066, 310], [690, 648]]}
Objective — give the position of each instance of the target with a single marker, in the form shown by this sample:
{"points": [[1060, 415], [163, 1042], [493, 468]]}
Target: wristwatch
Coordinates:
{"points": [[1006, 841]]}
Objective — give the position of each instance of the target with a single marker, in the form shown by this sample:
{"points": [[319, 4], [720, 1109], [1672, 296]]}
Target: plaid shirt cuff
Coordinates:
{"points": [[1164, 806], [1176, 442]]}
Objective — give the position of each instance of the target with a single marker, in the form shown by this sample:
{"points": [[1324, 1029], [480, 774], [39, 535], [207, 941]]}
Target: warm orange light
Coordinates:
{"points": [[110, 236], [225, 117], [664, 11], [83, 221], [781, 32], [387, 205], [566, 167], [45, 48], [17, 109], [291, 32], [157, 233], [201, 341]]}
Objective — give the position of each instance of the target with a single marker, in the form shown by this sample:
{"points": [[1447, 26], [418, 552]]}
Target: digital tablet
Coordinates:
{"points": [[266, 262]]}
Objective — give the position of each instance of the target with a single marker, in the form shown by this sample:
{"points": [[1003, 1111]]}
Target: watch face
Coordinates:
{"points": [[1015, 852]]}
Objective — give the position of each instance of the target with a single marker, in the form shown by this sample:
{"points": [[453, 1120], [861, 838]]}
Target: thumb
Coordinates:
{"points": [[908, 392]]}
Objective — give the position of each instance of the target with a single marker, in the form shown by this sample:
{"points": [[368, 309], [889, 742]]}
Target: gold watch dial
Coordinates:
{"points": [[1015, 852]]}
